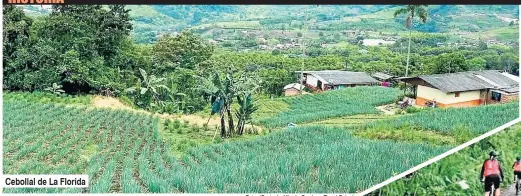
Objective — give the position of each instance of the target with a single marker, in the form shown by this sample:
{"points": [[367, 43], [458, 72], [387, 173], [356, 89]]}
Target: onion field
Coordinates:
{"points": [[329, 104], [122, 152], [477, 120]]}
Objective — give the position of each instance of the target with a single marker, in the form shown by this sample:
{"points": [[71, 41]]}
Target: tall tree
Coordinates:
{"points": [[411, 11], [185, 50], [509, 61], [450, 63], [15, 46]]}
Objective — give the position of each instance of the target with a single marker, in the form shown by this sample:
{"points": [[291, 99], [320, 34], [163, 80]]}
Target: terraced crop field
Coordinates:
{"points": [[122, 151], [330, 104], [477, 120], [347, 147]]}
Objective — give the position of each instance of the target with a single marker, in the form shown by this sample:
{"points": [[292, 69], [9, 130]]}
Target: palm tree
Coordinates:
{"points": [[411, 11]]}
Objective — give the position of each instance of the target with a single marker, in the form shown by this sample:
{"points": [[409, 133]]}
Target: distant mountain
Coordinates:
{"points": [[461, 20]]}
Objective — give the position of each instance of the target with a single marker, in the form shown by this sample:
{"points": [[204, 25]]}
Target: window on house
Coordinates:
{"points": [[496, 96], [456, 94]]}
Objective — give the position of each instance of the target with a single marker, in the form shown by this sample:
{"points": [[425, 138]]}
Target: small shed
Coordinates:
{"points": [[293, 89], [383, 76], [386, 79]]}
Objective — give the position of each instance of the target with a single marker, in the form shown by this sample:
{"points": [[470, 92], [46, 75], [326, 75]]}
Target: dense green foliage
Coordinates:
{"points": [[475, 119], [348, 101], [441, 178], [122, 151], [49, 49]]}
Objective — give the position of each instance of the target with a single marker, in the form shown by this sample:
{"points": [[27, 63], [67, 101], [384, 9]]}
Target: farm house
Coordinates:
{"points": [[334, 79], [464, 89], [292, 89]]}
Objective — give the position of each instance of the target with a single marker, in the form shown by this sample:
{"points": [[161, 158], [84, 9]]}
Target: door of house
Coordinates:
{"points": [[319, 85]]}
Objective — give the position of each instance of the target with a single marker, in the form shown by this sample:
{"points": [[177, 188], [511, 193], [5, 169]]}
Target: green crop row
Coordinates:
{"points": [[476, 120], [329, 104], [131, 157], [44, 97]]}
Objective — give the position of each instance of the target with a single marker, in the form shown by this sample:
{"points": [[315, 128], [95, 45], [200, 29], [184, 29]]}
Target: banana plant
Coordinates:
{"points": [[149, 85], [55, 89], [246, 109]]}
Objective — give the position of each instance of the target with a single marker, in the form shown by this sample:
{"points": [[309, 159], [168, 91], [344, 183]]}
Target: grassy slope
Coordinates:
{"points": [[185, 152], [110, 139]]}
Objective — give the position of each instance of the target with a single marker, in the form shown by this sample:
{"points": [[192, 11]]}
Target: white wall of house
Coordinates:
{"points": [[311, 80], [446, 98]]}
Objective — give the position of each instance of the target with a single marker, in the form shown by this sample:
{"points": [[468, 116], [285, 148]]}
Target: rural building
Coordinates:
{"points": [[292, 89], [334, 79], [383, 76], [386, 79], [464, 89]]}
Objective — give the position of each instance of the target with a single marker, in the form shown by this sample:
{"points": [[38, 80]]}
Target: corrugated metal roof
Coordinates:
{"points": [[382, 76], [511, 89], [497, 77], [294, 85], [470, 80], [335, 77]]}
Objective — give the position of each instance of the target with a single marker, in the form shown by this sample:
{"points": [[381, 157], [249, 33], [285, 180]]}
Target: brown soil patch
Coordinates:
{"points": [[114, 103], [108, 102]]}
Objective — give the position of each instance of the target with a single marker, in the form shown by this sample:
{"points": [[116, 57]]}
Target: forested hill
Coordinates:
{"points": [[457, 20]]}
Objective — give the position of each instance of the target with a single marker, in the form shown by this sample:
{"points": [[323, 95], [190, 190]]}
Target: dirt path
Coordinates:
{"points": [[386, 109], [511, 191], [108, 102], [114, 103]]}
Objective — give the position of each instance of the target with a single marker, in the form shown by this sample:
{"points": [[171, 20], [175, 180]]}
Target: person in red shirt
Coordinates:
{"points": [[517, 170], [492, 174]]}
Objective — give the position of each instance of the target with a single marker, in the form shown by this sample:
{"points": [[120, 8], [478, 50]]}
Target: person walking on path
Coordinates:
{"points": [[492, 174]]}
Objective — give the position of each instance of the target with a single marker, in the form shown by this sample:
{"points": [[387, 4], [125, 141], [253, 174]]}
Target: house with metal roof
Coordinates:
{"points": [[293, 89], [470, 88], [335, 79]]}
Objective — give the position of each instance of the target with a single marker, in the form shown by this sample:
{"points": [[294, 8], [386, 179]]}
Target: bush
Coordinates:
{"points": [[398, 98], [126, 100], [399, 111], [412, 109], [177, 124]]}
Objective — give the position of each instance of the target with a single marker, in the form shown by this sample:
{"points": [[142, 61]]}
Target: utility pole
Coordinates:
{"points": [[303, 51]]}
